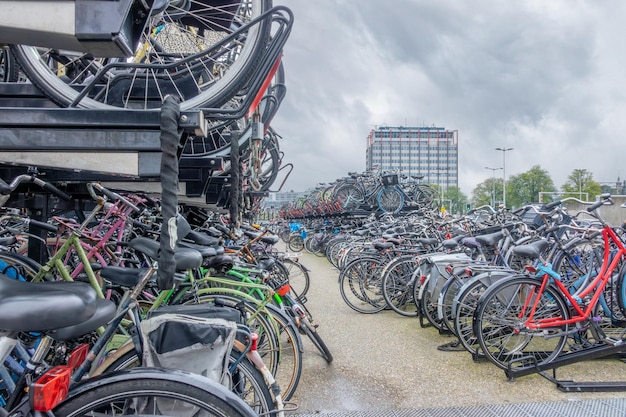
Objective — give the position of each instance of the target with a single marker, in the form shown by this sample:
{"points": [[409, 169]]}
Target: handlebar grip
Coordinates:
{"points": [[42, 225], [222, 229], [5, 189], [595, 206], [552, 204], [54, 190], [141, 225]]}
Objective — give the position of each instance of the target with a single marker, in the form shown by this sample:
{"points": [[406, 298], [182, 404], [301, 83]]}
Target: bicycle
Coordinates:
{"points": [[74, 244], [526, 320], [384, 191], [25, 307]]}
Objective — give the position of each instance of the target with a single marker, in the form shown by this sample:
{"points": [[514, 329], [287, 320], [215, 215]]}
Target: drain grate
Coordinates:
{"points": [[591, 408]]}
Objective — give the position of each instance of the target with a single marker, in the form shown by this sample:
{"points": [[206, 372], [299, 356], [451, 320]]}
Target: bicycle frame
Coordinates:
{"points": [[594, 288]]}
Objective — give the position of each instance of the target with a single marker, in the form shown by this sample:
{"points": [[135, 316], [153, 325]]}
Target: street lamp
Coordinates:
{"points": [[493, 186], [504, 173]]}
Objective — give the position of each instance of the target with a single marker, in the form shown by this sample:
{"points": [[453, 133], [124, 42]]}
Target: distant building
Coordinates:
{"points": [[278, 199], [429, 151]]}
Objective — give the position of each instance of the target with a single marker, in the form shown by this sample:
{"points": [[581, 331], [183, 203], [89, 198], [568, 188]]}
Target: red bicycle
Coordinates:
{"points": [[530, 319]]}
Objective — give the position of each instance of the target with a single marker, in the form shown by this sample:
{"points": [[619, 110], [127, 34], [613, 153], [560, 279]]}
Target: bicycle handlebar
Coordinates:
{"points": [[111, 195], [486, 206], [6, 189]]}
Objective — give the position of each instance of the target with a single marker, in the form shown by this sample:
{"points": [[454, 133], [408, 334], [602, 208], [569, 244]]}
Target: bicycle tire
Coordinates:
{"points": [[428, 310], [195, 76], [9, 72], [390, 200], [248, 383], [397, 285], [19, 266], [349, 196], [577, 259], [445, 303], [290, 363], [284, 235], [317, 340], [498, 317], [296, 243], [464, 306], [154, 389]]}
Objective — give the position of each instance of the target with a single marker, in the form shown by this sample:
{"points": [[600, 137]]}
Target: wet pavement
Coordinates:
{"points": [[386, 364]]}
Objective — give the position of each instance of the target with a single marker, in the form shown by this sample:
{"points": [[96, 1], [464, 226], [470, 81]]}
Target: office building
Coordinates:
{"points": [[428, 151]]}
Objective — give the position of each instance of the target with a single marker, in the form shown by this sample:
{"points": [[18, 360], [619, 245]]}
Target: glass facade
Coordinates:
{"points": [[431, 152]]}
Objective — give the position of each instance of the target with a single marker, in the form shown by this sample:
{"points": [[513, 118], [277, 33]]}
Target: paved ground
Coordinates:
{"points": [[388, 362]]}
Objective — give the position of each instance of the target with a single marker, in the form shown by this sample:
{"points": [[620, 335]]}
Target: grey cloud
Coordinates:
{"points": [[502, 73]]}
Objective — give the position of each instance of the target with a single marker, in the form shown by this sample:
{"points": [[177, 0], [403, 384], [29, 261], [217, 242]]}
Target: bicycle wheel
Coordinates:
{"points": [[360, 285], [349, 196], [397, 285], [445, 302], [208, 59], [501, 314], [426, 197], [296, 243], [289, 369], [314, 336], [247, 383], [19, 267], [299, 279], [579, 259], [9, 72], [390, 200], [152, 392], [464, 305], [334, 248]]}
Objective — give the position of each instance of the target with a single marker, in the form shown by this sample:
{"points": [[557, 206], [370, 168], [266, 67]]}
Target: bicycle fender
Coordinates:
{"points": [[277, 310], [194, 380]]}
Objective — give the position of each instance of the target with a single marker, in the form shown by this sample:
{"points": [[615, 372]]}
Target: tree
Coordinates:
{"points": [[454, 200], [580, 184], [525, 187], [488, 192]]}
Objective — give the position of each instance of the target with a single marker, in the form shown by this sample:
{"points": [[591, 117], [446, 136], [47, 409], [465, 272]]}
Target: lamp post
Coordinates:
{"points": [[493, 186], [504, 173]]}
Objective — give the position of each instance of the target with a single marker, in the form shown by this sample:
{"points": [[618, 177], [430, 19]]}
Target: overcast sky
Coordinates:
{"points": [[546, 78]]}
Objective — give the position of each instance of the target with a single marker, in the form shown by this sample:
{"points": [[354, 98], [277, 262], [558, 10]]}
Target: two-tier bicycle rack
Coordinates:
{"points": [[70, 146]]}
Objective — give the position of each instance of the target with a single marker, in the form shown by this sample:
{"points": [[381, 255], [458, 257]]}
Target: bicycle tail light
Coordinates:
{"points": [[52, 388], [283, 289]]}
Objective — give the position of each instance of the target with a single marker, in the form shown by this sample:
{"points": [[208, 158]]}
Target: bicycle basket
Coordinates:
{"points": [[294, 227], [389, 179], [194, 344], [532, 219]]}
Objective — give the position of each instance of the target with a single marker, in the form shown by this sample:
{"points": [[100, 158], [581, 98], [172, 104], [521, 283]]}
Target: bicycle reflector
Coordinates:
{"points": [[283, 290], [49, 390], [78, 356]]}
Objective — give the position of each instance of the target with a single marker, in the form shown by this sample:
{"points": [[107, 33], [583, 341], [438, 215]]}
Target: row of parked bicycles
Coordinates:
{"points": [[236, 314], [86, 326], [366, 192], [520, 289]]}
